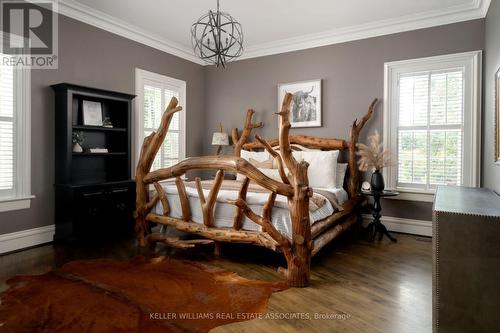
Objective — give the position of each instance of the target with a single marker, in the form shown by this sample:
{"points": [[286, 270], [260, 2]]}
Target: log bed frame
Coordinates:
{"points": [[306, 240]]}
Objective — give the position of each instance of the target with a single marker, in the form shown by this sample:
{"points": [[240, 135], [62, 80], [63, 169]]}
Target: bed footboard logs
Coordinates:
{"points": [[297, 250], [239, 214], [149, 149], [208, 205]]}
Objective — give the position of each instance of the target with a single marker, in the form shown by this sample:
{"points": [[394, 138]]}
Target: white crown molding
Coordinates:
{"points": [[484, 5], [112, 24], [26, 238], [406, 226], [476, 9]]}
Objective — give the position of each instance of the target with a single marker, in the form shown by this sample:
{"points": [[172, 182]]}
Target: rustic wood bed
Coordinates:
{"points": [[306, 239]]}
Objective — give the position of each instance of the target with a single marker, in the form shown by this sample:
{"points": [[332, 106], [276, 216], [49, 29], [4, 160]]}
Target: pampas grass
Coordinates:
{"points": [[373, 156]]}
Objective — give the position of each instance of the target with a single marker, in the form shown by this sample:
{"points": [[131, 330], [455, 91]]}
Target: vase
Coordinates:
{"points": [[77, 148], [377, 181]]}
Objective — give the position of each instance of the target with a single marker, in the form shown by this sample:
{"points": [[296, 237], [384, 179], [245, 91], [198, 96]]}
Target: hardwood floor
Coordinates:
{"points": [[357, 286]]}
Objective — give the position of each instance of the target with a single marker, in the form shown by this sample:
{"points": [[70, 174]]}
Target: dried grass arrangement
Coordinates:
{"points": [[373, 157]]}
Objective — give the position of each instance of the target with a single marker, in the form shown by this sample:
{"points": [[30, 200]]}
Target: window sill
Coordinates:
{"points": [[9, 204], [413, 196]]}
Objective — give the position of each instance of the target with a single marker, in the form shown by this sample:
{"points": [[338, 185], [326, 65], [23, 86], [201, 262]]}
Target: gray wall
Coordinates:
{"points": [[491, 171], [352, 76], [93, 57]]}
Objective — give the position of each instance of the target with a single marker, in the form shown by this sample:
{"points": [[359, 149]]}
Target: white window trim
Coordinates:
{"points": [[471, 61], [142, 77], [21, 198], [22, 168]]}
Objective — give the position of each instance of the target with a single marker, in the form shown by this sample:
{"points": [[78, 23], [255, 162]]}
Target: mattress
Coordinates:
{"points": [[224, 212]]}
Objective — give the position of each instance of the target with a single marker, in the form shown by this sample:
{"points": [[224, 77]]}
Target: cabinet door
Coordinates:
{"points": [[120, 208], [91, 207]]}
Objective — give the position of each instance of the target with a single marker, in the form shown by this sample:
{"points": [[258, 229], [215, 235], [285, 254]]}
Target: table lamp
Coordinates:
{"points": [[220, 139]]}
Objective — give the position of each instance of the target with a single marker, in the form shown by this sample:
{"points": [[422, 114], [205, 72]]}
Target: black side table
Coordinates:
{"points": [[376, 226]]}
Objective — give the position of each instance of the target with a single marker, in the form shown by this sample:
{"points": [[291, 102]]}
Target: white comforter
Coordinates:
{"points": [[224, 212]]}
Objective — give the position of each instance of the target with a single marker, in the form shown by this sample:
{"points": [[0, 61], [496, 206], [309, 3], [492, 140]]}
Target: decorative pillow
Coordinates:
{"points": [[256, 156], [341, 169], [267, 164], [322, 170]]}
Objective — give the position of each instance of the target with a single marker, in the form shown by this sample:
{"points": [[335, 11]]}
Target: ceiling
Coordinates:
{"points": [[270, 26]]}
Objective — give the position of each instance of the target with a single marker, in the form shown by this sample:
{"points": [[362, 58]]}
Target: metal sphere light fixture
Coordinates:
{"points": [[217, 38]]}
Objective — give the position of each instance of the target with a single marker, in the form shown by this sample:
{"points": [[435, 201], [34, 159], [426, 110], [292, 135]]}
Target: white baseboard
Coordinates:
{"points": [[407, 226], [26, 238]]}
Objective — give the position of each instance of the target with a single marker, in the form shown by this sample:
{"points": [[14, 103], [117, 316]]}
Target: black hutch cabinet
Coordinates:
{"points": [[94, 192]]}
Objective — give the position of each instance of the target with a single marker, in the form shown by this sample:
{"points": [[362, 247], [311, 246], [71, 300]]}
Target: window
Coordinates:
{"points": [[15, 140], [154, 92], [431, 123]]}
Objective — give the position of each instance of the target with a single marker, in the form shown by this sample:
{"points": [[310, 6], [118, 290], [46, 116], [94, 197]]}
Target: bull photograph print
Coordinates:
{"points": [[306, 102]]}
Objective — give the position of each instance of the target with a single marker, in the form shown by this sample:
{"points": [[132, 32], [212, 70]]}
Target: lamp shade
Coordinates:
{"points": [[220, 139]]}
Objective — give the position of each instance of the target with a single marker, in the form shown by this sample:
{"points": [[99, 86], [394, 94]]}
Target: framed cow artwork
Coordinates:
{"points": [[306, 102]]}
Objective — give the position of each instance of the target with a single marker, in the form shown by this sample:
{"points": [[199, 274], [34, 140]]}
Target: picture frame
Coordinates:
{"points": [[497, 117], [92, 113], [306, 108]]}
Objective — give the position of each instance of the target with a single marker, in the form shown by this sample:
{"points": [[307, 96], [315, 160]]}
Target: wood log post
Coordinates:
{"points": [[277, 158], [183, 197], [304, 140], [353, 181], [154, 200], [163, 198], [265, 222], [217, 234], [149, 149], [208, 205], [239, 214], [239, 141], [175, 242], [298, 250], [298, 271]]}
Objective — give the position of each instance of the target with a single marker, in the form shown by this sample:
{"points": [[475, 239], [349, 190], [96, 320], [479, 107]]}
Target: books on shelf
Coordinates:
{"points": [[98, 150]]}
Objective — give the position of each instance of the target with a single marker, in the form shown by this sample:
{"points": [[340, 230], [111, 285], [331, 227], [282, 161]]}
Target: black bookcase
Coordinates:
{"points": [[94, 193]]}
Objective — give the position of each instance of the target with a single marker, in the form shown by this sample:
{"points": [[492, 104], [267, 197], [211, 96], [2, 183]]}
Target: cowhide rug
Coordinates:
{"points": [[159, 295]]}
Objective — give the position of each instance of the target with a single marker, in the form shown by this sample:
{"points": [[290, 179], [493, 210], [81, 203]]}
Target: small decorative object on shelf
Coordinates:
{"points": [[374, 157], [107, 123], [220, 139], [98, 150], [78, 138], [92, 113], [366, 186]]}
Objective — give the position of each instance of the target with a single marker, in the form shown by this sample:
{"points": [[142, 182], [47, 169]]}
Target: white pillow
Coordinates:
{"points": [[297, 154], [340, 175], [322, 170], [256, 155]]}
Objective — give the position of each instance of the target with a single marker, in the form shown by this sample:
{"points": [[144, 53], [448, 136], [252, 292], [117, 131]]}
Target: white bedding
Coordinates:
{"points": [[224, 212]]}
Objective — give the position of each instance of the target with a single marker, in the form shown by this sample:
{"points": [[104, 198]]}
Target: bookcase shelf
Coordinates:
{"points": [[86, 154], [91, 188], [99, 128]]}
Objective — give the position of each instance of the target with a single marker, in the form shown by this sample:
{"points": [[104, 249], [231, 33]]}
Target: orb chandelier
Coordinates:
{"points": [[217, 38]]}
